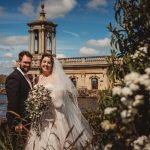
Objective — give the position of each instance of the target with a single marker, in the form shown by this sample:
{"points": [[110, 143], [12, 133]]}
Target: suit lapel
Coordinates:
{"points": [[23, 78]]}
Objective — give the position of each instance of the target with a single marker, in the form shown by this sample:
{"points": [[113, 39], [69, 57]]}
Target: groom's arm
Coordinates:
{"points": [[12, 90]]}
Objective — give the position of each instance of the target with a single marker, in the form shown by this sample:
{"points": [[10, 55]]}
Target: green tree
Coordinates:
{"points": [[130, 33]]}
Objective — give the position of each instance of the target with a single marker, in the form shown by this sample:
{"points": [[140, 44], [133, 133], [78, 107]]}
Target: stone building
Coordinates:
{"points": [[87, 73]]}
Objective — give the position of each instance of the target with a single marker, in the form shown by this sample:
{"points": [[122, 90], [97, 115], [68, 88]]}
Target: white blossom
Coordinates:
{"points": [[147, 70], [140, 142], [133, 87], [126, 91], [143, 49], [116, 91], [139, 97], [144, 80], [131, 78], [109, 110], [138, 102]]}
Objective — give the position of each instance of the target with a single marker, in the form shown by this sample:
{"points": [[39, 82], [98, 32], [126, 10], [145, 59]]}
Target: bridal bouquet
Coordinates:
{"points": [[38, 101]]}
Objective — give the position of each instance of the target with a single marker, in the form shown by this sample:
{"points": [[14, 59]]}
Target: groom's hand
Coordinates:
{"points": [[19, 128]]}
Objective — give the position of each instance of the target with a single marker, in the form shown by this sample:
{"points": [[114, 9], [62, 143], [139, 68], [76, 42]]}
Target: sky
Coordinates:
{"points": [[81, 31]]}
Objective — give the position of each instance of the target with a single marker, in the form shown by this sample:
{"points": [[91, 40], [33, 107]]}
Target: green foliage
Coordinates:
{"points": [[95, 118], [5, 141], [130, 33]]}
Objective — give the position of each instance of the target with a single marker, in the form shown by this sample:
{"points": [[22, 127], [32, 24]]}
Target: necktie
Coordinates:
{"points": [[28, 80]]}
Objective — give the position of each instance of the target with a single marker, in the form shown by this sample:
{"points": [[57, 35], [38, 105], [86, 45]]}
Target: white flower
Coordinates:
{"points": [[124, 114], [133, 87], [147, 70], [143, 49], [144, 80], [137, 103], [109, 110], [141, 140], [131, 78], [126, 91], [124, 100], [139, 97], [107, 125], [116, 91]]}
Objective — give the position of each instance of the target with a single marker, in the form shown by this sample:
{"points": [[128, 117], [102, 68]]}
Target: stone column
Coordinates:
{"points": [[54, 44], [30, 38], [40, 42], [45, 41], [32, 42]]}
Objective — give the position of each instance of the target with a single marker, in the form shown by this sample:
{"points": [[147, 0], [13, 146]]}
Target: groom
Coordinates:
{"points": [[18, 86]]}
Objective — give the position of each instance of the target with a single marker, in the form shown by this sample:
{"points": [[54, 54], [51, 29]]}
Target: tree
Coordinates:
{"points": [[130, 34]]}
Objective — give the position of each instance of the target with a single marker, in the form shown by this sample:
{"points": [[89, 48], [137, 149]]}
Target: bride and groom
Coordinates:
{"points": [[66, 126]]}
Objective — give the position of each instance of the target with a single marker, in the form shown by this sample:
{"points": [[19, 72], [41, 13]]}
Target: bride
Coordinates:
{"points": [[66, 126]]}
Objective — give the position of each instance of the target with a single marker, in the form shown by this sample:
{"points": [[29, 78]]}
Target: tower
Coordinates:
{"points": [[42, 39]]}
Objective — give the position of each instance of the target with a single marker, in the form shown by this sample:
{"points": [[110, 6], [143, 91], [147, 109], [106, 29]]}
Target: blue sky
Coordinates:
{"points": [[82, 27]]}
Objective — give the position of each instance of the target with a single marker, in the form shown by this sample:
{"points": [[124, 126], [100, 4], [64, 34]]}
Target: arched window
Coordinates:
{"points": [[74, 81], [94, 82]]}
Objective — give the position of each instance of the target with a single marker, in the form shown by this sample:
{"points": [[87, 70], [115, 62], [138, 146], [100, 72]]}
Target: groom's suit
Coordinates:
{"points": [[17, 89]]}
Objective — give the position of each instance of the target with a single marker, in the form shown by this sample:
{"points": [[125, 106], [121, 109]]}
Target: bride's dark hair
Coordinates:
{"points": [[49, 56]]}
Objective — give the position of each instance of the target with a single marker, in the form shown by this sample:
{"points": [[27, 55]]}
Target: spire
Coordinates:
{"points": [[42, 13]]}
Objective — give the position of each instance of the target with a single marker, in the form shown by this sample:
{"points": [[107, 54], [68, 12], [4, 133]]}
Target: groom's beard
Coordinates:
{"points": [[24, 69]]}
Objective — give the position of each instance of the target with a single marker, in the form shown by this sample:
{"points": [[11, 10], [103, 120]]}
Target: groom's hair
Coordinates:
{"points": [[23, 53], [49, 56]]}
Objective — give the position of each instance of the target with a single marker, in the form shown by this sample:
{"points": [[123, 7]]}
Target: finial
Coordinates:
{"points": [[42, 13], [42, 5]]}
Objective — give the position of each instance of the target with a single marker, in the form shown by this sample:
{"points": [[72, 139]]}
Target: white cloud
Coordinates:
{"points": [[53, 8], [8, 55], [7, 66], [101, 43], [14, 40], [96, 3], [60, 56], [58, 8], [88, 51], [71, 33], [27, 9]]}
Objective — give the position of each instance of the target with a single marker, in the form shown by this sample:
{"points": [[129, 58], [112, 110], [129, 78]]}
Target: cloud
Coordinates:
{"points": [[27, 9], [14, 40], [101, 43], [96, 47], [60, 56], [88, 51], [53, 8], [58, 8], [96, 3], [7, 66], [1, 10], [8, 55], [71, 33]]}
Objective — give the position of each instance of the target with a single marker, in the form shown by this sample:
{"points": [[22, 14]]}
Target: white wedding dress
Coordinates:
{"points": [[60, 119]]}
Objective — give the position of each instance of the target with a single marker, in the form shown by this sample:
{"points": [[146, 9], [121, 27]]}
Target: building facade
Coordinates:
{"points": [[87, 73]]}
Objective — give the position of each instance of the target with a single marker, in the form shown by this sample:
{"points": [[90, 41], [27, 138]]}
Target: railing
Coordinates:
{"points": [[84, 60]]}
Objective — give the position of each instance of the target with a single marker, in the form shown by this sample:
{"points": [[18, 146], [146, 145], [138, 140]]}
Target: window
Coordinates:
{"points": [[74, 81], [94, 82]]}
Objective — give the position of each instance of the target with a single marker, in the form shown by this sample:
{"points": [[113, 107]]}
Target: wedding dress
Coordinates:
{"points": [[63, 123]]}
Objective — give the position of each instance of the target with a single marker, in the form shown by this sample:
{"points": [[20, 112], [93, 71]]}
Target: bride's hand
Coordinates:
{"points": [[19, 128]]}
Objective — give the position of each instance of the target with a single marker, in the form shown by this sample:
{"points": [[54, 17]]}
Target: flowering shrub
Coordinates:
{"points": [[130, 120]]}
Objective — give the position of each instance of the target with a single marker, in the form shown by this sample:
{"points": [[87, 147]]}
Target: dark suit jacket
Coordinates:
{"points": [[17, 89]]}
